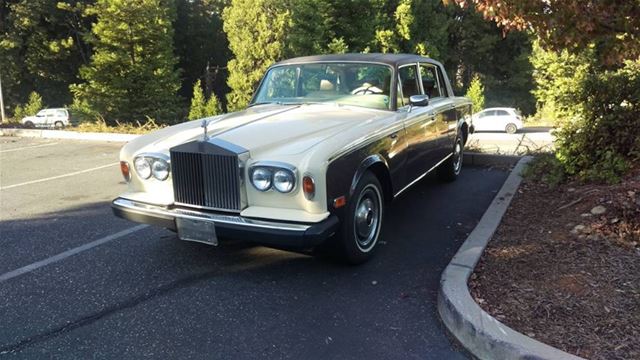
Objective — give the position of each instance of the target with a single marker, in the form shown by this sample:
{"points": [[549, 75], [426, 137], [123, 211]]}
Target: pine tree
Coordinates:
{"points": [[476, 93], [132, 71], [197, 109], [30, 108], [256, 31]]}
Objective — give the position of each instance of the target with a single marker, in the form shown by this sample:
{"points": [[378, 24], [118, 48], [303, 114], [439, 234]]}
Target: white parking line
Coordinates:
{"points": [[57, 177], [27, 147], [63, 255]]}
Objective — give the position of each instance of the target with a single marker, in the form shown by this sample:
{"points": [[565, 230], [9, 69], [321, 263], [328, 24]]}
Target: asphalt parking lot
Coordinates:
{"points": [[76, 282]]}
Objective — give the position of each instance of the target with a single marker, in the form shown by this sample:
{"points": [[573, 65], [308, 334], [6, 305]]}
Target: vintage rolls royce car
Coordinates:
{"points": [[324, 144]]}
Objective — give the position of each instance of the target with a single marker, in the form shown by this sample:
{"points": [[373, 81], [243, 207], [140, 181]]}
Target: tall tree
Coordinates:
{"points": [[256, 30], [132, 71], [41, 49], [201, 45]]}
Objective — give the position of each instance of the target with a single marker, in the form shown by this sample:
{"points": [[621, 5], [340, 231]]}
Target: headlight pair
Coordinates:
{"points": [[281, 177], [152, 165]]}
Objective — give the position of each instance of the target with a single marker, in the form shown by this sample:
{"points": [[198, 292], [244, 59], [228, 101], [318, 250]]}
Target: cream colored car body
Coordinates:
{"points": [[305, 136]]}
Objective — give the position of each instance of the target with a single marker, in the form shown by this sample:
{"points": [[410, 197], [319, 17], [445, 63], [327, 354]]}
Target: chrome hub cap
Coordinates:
{"points": [[367, 218], [457, 157]]}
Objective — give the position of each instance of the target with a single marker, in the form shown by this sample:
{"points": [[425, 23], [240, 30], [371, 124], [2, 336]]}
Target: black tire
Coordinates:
{"points": [[58, 125], [359, 234], [29, 125], [511, 128], [450, 169]]}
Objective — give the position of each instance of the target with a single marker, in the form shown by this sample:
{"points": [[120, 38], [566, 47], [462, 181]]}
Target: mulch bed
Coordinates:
{"points": [[565, 276]]}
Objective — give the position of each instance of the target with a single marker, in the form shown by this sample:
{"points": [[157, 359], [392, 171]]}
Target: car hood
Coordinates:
{"points": [[268, 129]]}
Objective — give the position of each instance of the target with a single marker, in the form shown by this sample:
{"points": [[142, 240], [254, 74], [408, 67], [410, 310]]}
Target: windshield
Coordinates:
{"points": [[359, 84]]}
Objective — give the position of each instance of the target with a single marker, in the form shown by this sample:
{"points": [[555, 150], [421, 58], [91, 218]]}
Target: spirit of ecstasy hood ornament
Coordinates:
{"points": [[204, 125]]}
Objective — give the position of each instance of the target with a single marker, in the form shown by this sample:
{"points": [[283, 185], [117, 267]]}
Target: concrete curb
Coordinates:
{"points": [[481, 334], [72, 135]]}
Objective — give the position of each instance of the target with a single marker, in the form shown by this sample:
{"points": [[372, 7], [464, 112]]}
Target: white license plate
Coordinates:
{"points": [[195, 230]]}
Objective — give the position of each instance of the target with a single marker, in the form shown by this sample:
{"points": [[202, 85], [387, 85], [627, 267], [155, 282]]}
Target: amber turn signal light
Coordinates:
{"points": [[309, 187], [339, 202], [124, 168]]}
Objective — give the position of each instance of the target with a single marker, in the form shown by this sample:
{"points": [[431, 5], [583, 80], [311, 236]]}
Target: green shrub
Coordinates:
{"points": [[546, 168], [600, 144], [212, 107], [475, 93], [31, 108]]}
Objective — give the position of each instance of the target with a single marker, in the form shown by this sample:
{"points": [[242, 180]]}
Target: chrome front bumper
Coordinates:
{"points": [[268, 232]]}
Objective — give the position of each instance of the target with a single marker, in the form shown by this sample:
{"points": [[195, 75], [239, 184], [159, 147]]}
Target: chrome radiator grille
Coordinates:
{"points": [[210, 181]]}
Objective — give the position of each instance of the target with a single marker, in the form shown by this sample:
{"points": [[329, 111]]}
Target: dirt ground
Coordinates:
{"points": [[564, 268]]}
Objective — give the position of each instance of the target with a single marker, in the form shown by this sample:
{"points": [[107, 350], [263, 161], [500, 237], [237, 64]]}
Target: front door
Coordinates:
{"points": [[421, 125]]}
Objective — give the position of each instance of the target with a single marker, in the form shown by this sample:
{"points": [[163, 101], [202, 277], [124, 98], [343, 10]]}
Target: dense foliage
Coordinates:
{"points": [[604, 138], [227, 45], [612, 27]]}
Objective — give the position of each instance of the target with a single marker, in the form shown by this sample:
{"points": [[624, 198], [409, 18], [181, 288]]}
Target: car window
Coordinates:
{"points": [[441, 84], [409, 82], [358, 84], [42, 113], [429, 76], [483, 114], [61, 113], [502, 113]]}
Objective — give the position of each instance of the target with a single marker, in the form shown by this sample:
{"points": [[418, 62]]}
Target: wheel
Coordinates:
{"points": [[58, 125], [29, 125], [357, 240], [511, 128], [450, 168]]}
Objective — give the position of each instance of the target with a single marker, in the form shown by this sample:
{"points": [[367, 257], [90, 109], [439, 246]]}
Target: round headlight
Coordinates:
{"points": [[160, 169], [283, 181], [143, 167], [261, 179]]}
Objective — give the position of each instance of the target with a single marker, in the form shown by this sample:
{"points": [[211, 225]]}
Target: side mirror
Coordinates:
{"points": [[419, 100]]}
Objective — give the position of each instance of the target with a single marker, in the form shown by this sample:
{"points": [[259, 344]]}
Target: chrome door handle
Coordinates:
{"points": [[394, 135]]}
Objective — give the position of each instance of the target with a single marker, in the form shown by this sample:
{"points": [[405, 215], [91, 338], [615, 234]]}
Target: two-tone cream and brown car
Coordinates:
{"points": [[324, 144]]}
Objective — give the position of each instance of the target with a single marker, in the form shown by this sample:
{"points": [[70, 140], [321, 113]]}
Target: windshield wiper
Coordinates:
{"points": [[267, 102]]}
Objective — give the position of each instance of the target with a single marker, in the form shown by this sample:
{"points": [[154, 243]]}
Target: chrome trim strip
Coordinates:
{"points": [[366, 140], [421, 176], [197, 215]]}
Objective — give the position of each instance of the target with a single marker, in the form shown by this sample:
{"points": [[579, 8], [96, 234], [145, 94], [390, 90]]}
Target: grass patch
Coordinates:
{"points": [[128, 128]]}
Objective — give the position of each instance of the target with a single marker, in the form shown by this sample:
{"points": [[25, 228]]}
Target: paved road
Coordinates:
{"points": [[526, 140], [144, 293]]}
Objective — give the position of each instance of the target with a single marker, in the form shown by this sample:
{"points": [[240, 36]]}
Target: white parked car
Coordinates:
{"points": [[498, 119], [57, 118]]}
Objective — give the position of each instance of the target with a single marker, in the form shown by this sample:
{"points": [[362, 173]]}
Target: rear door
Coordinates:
{"points": [[434, 85], [501, 120]]}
